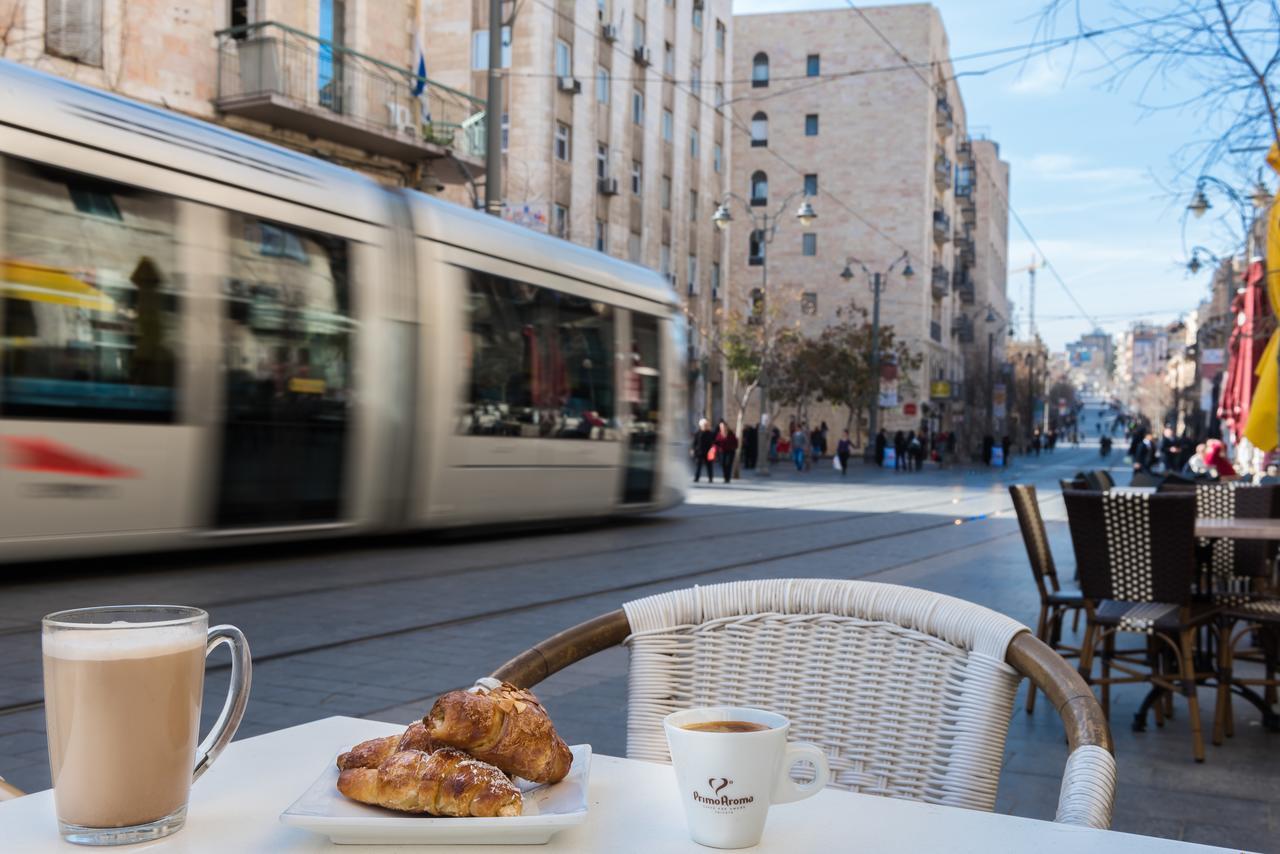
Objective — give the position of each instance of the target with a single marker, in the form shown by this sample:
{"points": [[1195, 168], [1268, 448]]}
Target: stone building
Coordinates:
{"points": [[611, 136], [887, 163], [326, 77]]}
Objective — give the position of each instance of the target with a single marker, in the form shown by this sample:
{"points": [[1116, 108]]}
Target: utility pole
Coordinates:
{"points": [[873, 412], [493, 115]]}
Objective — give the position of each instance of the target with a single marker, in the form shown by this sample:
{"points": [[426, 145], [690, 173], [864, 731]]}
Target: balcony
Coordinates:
{"points": [[968, 210], [944, 120], [962, 283], [275, 74], [965, 247], [941, 226], [940, 281], [935, 331], [942, 174], [962, 328]]}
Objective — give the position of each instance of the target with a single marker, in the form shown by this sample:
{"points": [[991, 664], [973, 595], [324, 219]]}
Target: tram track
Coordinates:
{"points": [[945, 522]]}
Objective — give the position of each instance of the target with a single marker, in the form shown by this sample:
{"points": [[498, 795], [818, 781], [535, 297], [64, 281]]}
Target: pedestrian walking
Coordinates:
{"points": [[988, 446], [749, 448], [915, 448], [775, 437], [817, 444], [844, 449], [799, 440], [1035, 442], [726, 444], [899, 451], [882, 440], [1005, 445], [704, 443]]}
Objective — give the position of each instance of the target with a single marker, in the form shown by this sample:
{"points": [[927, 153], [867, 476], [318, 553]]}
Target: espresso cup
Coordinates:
{"points": [[728, 780], [122, 692]]}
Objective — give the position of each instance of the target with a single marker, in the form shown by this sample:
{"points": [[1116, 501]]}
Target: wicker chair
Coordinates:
{"points": [[1135, 554], [1055, 603], [1099, 480], [909, 692]]}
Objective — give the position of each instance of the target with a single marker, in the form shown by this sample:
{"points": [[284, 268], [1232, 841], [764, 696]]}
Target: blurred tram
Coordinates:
{"points": [[206, 339]]}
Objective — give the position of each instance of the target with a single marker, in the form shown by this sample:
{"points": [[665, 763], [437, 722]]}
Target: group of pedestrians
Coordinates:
{"points": [[910, 449], [710, 446], [804, 447]]}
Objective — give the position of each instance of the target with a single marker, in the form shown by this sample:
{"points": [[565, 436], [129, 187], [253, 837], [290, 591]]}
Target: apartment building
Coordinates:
{"points": [[611, 136], [331, 78], [889, 168]]}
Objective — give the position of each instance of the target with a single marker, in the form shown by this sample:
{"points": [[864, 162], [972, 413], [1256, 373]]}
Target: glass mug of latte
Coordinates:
{"points": [[122, 691], [731, 765]]}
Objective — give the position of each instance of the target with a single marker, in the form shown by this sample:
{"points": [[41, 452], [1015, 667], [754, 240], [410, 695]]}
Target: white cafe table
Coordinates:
{"points": [[633, 808], [1239, 529]]}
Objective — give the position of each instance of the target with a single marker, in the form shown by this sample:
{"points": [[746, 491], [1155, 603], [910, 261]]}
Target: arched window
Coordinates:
{"points": [[759, 130], [760, 71], [755, 248], [759, 188]]}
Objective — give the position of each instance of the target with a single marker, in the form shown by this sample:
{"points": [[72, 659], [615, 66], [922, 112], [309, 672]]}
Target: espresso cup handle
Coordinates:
{"points": [[237, 696], [785, 789]]}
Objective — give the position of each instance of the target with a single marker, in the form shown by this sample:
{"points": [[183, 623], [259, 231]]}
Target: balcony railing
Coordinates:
{"points": [[942, 174], [276, 74], [940, 282], [962, 283], [935, 331], [945, 121], [962, 328], [941, 226]]}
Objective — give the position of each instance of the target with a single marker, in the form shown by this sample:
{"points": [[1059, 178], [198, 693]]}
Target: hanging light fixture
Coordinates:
{"points": [[722, 217], [847, 272], [805, 214], [907, 272], [1199, 203], [1194, 264]]}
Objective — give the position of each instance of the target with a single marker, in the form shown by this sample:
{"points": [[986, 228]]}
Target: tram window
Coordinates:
{"points": [[89, 326], [539, 362]]}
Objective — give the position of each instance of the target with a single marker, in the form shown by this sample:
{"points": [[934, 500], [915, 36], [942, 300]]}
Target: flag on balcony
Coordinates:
{"points": [[420, 78]]}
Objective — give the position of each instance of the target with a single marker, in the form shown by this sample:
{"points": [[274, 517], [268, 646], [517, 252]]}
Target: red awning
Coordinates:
{"points": [[1244, 349]]}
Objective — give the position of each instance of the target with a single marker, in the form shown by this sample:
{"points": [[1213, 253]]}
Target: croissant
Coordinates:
{"points": [[372, 753], [447, 783], [505, 726]]}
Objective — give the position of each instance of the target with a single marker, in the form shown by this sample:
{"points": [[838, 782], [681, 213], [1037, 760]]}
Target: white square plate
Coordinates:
{"points": [[547, 811]]}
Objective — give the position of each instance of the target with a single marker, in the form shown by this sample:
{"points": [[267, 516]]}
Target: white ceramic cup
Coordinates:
{"points": [[728, 780]]}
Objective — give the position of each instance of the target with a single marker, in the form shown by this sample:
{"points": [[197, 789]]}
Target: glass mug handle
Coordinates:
{"points": [[785, 789], [237, 696]]}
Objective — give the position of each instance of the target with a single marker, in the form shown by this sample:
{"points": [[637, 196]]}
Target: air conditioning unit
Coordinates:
{"points": [[642, 55], [570, 85], [607, 186], [610, 32]]}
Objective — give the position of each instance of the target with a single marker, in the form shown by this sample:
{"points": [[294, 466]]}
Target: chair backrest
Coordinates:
{"points": [[1228, 558], [1145, 478], [1099, 480], [1034, 537], [1133, 547], [1077, 482], [906, 691]]}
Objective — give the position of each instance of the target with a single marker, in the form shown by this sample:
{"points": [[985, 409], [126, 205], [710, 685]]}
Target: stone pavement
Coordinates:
{"points": [[378, 628]]}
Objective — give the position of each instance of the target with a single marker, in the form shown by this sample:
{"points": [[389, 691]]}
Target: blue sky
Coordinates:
{"points": [[1092, 171]]}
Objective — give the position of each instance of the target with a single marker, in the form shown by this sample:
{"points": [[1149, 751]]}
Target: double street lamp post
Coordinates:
{"points": [[765, 225], [877, 279]]}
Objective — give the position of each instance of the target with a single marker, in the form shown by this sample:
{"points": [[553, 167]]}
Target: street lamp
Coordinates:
{"points": [[993, 318], [1199, 203], [766, 225], [873, 410], [1261, 197]]}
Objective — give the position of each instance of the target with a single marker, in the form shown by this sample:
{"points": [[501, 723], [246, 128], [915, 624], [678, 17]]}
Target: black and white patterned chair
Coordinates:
{"points": [[1135, 554]]}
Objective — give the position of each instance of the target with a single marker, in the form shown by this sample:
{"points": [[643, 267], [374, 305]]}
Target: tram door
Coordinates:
{"points": [[288, 338], [643, 390]]}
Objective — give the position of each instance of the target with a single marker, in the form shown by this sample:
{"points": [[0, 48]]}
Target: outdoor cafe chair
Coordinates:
{"points": [[1135, 554], [1055, 603], [8, 791], [908, 692]]}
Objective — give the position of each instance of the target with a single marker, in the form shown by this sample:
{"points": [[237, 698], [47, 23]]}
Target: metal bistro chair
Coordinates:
{"points": [[1136, 557], [1099, 480], [1055, 603], [909, 692]]}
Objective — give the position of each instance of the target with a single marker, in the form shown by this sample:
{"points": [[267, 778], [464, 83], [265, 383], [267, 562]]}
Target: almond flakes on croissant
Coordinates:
{"points": [[444, 783], [505, 726]]}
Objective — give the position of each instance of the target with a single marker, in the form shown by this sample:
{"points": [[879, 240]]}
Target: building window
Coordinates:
{"points": [[715, 280], [664, 260], [639, 33], [562, 141], [697, 16], [717, 158], [668, 59], [666, 193], [809, 244], [637, 106], [693, 206], [760, 71], [241, 15], [759, 130], [480, 49], [602, 160], [811, 124], [73, 30], [506, 131], [637, 177], [719, 95], [757, 306], [720, 33], [811, 185], [602, 85], [812, 65], [755, 247], [668, 125], [695, 80], [633, 248], [602, 235], [693, 275], [809, 303], [759, 188], [560, 226], [694, 144], [564, 59]]}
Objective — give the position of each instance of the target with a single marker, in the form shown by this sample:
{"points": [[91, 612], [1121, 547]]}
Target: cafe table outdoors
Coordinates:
{"points": [[632, 807]]}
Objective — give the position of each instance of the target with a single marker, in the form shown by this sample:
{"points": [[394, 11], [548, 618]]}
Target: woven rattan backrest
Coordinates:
{"points": [[1133, 547], [1230, 558], [907, 691], [1099, 480], [1034, 536]]}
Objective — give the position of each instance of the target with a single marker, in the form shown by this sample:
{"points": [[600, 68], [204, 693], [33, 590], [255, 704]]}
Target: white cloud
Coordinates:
{"points": [[1040, 76], [1057, 166]]}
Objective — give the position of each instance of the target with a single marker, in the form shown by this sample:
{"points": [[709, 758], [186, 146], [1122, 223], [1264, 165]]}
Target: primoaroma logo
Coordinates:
{"points": [[717, 798]]}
